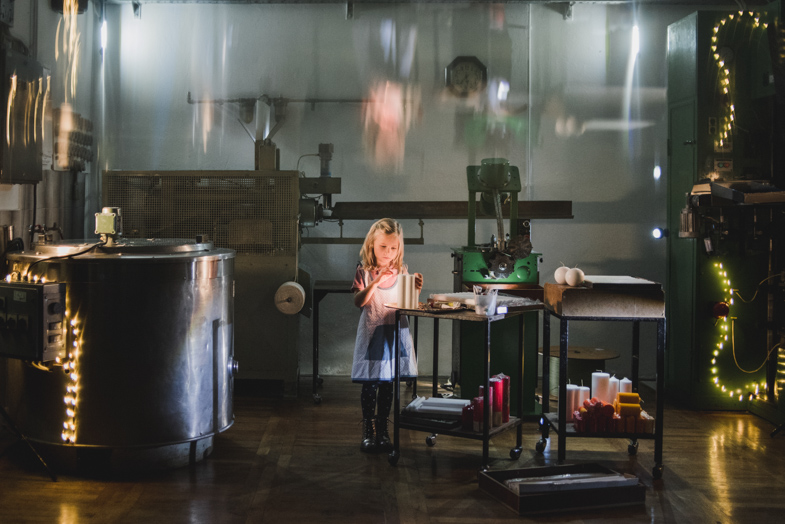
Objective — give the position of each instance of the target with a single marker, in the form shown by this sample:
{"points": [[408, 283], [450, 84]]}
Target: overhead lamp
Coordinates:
{"points": [[659, 233]]}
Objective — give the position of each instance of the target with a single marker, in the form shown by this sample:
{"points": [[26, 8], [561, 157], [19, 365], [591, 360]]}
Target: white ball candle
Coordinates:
{"points": [[559, 274], [574, 277]]}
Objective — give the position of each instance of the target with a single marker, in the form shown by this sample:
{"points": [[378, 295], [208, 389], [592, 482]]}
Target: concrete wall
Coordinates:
{"points": [[582, 121]]}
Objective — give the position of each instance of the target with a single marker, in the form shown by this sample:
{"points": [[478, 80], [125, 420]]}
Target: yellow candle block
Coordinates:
{"points": [[628, 398], [629, 410]]}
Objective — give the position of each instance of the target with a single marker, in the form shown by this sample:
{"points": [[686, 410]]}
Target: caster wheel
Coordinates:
{"points": [[656, 472], [515, 453], [632, 449], [393, 457], [319, 380], [317, 398], [540, 446], [430, 441]]}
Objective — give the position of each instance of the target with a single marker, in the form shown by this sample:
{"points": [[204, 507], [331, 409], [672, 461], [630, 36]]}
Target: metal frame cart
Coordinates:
{"points": [[626, 300], [488, 432]]}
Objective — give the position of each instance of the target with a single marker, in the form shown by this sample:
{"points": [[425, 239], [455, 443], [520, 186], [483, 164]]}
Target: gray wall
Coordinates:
{"points": [[570, 80]]}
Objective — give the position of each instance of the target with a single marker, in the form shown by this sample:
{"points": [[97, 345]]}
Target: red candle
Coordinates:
{"points": [[497, 392]]}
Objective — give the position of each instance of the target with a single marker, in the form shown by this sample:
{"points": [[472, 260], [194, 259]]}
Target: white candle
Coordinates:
{"points": [[407, 292], [613, 388], [583, 394], [600, 382], [572, 400], [625, 385]]}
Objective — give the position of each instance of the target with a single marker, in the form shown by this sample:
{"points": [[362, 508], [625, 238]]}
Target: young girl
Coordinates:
{"points": [[375, 284]]}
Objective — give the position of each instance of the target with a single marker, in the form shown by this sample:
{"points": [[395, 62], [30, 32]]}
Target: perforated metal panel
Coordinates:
{"points": [[248, 211]]}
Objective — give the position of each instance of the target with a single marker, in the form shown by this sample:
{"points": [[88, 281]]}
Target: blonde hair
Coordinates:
{"points": [[385, 226]]}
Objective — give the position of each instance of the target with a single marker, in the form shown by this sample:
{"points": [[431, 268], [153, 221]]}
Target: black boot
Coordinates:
{"points": [[383, 441], [368, 443]]}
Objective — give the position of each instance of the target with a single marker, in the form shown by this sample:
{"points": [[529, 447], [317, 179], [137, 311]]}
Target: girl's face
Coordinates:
{"points": [[385, 248]]}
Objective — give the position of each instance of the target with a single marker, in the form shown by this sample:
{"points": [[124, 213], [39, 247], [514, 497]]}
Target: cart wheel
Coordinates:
{"points": [[393, 457], [319, 380], [317, 398], [540, 446], [656, 472], [515, 453], [632, 448], [430, 440]]}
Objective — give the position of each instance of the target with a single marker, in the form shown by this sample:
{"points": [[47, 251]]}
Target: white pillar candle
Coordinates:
{"points": [[407, 292], [625, 385], [572, 400], [583, 394], [600, 382], [613, 388]]}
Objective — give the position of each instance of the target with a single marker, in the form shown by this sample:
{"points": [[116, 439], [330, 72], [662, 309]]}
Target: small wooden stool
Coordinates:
{"points": [[582, 361]]}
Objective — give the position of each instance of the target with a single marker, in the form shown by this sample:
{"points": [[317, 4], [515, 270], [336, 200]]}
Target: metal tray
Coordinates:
{"points": [[563, 499]]}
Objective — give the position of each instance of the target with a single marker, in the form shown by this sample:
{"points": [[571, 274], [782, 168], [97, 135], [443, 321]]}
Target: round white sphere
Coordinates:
{"points": [[574, 277], [559, 274]]}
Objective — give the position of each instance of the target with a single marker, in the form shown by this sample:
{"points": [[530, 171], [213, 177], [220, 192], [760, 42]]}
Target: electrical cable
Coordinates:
{"points": [[298, 162], [733, 350], [35, 205], [30, 267], [756, 290]]}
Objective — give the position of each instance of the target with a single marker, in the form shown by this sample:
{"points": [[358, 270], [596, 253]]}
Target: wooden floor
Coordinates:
{"points": [[290, 460]]}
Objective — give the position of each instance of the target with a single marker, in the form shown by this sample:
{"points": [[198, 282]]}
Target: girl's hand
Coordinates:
{"points": [[384, 275], [418, 281]]}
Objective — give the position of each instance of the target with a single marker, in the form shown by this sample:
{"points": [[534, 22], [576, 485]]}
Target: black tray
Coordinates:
{"points": [[492, 482]]}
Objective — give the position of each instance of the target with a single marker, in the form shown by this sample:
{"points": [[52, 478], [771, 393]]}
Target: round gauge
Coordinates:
{"points": [[466, 76]]}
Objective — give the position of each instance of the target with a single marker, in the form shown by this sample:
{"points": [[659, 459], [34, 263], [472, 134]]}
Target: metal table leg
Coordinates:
{"points": [[395, 454], [564, 335], [317, 297], [546, 382], [435, 358], [515, 453], [658, 427], [486, 408]]}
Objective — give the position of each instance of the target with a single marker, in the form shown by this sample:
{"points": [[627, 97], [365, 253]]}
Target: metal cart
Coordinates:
{"points": [[488, 432], [643, 302]]}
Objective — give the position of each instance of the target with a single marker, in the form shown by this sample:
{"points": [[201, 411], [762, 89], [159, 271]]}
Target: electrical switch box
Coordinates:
{"points": [[32, 321]]}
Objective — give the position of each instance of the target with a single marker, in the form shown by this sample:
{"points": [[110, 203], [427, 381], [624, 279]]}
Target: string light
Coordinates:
{"points": [[71, 398], [730, 25], [754, 388]]}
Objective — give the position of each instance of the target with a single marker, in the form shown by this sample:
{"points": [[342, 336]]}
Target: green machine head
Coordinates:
{"points": [[507, 258]]}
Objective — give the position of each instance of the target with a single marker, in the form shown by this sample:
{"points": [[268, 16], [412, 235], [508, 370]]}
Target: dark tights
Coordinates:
{"points": [[368, 399]]}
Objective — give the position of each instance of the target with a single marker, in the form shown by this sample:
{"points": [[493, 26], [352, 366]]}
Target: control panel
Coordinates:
{"points": [[32, 320]]}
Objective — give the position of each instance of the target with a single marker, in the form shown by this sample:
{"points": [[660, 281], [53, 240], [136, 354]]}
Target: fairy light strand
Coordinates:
{"points": [[730, 24], [71, 369], [752, 390]]}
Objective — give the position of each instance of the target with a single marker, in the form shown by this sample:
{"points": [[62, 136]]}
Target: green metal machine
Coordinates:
{"points": [[508, 264], [726, 222]]}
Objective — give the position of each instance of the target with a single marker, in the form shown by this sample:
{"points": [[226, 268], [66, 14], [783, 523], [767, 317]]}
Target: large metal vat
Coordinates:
{"points": [[153, 323]]}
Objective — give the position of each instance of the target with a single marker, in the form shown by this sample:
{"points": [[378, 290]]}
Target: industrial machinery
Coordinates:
{"points": [[506, 263], [254, 213], [119, 356], [725, 283]]}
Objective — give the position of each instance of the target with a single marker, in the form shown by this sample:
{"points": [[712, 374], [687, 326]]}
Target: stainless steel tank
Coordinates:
{"points": [[152, 321]]}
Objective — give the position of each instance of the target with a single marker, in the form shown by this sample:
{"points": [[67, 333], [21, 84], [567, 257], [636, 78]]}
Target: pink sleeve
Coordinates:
{"points": [[359, 281]]}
